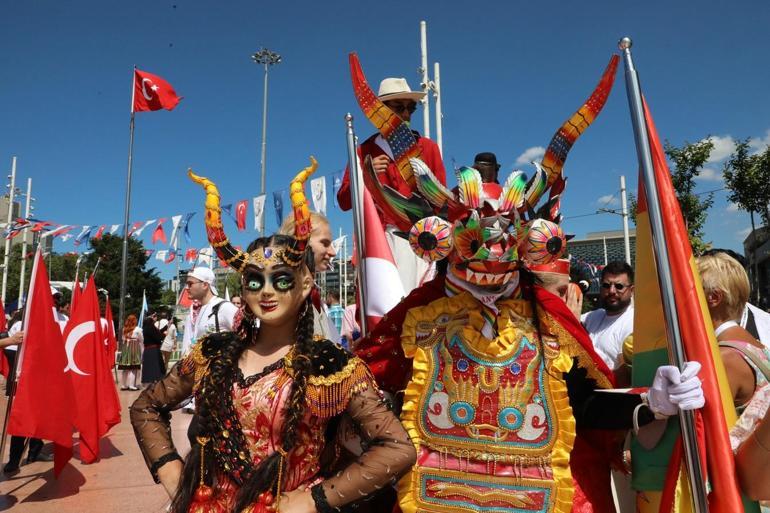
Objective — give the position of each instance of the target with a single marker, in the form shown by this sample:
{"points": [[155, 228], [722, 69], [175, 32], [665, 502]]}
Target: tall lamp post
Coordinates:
{"points": [[266, 58]]}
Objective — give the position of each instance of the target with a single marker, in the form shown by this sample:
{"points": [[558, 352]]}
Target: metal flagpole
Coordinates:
{"points": [[11, 192], [24, 233], [339, 273], [345, 271], [124, 255], [356, 187], [437, 95], [624, 213], [676, 350], [425, 81]]}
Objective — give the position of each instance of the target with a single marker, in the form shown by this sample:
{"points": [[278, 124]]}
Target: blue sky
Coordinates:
{"points": [[511, 73]]}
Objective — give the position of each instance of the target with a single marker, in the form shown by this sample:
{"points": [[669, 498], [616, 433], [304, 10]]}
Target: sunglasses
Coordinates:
{"points": [[401, 107], [618, 286]]}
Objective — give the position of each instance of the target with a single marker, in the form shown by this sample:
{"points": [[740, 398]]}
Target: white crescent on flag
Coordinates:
{"points": [[75, 336], [153, 87]]}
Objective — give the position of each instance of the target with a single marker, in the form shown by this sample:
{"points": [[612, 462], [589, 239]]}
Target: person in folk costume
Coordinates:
{"points": [[268, 394], [494, 373], [320, 244]]}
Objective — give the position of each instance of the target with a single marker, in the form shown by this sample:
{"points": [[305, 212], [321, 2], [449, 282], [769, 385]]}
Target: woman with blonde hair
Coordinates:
{"points": [[130, 359], [746, 361]]}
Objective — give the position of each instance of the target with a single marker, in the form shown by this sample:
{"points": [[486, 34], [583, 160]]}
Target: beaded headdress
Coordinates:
{"points": [[485, 231], [290, 255]]}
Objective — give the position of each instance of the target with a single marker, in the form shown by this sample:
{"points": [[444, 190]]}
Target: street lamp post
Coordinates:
{"points": [[266, 58]]}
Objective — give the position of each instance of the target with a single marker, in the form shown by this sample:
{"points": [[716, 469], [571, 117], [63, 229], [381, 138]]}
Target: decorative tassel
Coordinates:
{"points": [[203, 499]]}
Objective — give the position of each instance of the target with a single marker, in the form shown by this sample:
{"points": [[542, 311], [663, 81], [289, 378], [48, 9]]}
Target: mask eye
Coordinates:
{"points": [[254, 283], [283, 283]]}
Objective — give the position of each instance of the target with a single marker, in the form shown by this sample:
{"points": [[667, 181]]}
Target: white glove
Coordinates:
{"points": [[673, 390]]}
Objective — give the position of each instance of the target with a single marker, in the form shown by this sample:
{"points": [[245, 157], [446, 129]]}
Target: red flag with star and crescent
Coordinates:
{"points": [[41, 377], [152, 93], [240, 214]]}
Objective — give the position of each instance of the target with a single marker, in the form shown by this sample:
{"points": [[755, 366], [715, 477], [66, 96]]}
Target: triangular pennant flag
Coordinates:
{"points": [[259, 211], [158, 233], [318, 190]]}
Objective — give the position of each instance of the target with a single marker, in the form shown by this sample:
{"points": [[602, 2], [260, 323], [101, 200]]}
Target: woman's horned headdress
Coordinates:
{"points": [[238, 259]]}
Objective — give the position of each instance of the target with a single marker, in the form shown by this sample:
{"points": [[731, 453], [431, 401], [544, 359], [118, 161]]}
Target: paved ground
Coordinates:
{"points": [[119, 482]]}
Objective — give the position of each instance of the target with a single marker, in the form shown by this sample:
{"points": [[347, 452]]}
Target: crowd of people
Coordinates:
{"points": [[480, 390]]}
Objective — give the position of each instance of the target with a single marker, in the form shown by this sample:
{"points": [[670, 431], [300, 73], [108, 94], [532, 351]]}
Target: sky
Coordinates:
{"points": [[511, 73]]}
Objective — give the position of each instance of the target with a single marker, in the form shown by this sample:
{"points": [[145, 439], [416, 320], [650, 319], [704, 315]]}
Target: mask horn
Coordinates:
{"points": [[302, 220], [214, 230]]}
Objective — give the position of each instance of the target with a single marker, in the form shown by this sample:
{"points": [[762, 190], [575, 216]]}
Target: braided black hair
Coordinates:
{"points": [[218, 383]]}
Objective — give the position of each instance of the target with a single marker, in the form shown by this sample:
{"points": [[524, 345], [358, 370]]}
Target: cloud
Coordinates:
{"points": [[710, 174], [530, 154], [608, 200], [759, 144], [732, 207], [723, 148], [742, 234]]}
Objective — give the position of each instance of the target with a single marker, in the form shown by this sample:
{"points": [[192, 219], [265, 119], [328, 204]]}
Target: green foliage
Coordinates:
{"points": [[748, 179]]}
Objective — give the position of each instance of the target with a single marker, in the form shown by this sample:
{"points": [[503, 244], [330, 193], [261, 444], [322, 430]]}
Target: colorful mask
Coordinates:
{"points": [[484, 230]]}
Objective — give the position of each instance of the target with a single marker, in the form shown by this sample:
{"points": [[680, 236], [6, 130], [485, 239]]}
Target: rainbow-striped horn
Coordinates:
{"points": [[400, 138], [302, 223], [567, 134], [214, 231]]}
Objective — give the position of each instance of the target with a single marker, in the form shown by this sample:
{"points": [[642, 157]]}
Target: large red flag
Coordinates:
{"points": [[153, 93], [97, 406], [5, 368], [44, 404], [383, 284], [240, 214], [696, 331]]}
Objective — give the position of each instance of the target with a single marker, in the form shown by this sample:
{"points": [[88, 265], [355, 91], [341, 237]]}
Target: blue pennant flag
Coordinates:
{"points": [[186, 223], [278, 204], [336, 185]]}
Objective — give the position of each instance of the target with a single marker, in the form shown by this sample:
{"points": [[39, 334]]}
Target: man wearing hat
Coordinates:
{"points": [[486, 164], [396, 94], [215, 314]]}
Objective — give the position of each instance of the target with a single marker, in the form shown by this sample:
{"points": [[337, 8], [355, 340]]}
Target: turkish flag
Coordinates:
{"points": [[184, 298], [97, 407], [190, 255], [112, 341], [44, 404], [240, 214], [153, 93], [159, 234], [75, 299], [99, 232]]}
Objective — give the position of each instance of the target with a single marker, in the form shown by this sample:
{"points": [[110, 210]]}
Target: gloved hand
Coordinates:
{"points": [[673, 390]]}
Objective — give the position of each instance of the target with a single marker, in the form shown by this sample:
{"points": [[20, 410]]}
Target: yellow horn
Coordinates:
{"points": [[302, 220]]}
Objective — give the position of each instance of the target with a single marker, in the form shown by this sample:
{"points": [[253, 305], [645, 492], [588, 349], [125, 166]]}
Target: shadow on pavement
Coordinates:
{"points": [[68, 483]]}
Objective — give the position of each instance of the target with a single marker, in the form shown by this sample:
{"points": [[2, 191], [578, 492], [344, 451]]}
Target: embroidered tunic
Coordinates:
{"points": [[259, 402]]}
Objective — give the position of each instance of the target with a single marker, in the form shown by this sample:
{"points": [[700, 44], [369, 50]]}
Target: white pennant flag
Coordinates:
{"points": [[114, 228], [259, 211], [204, 256], [66, 237], [318, 190], [175, 220], [161, 255], [139, 231]]}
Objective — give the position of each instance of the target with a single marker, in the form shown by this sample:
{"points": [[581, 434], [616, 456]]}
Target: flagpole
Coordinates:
{"points": [[124, 254], [11, 192], [345, 271], [358, 220], [27, 208], [662, 263], [339, 273]]}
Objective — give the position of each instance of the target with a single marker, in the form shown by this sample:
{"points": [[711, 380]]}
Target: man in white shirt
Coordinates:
{"points": [[215, 313], [610, 325]]}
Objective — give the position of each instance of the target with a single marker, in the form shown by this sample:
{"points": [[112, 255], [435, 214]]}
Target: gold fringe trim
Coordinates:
{"points": [[328, 396]]}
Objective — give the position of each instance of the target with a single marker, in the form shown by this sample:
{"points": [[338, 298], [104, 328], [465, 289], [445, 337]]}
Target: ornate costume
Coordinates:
{"points": [[262, 435], [497, 373]]}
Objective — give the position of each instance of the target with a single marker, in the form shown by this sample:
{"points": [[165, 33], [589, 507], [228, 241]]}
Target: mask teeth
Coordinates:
{"points": [[510, 255], [482, 253]]}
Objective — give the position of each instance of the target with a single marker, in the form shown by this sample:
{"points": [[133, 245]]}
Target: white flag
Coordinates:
{"points": [[337, 244], [259, 211], [204, 256], [138, 232], [114, 228], [161, 255], [227, 293], [175, 220], [318, 189]]}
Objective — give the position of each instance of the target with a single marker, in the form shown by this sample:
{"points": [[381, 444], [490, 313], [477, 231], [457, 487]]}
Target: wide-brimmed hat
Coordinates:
{"points": [[398, 89]]}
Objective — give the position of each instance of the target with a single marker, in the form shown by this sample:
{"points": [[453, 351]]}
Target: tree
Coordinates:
{"points": [[687, 164], [748, 179], [108, 250]]}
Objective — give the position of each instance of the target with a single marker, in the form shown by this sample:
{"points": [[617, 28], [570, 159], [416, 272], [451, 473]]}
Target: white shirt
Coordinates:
{"points": [[205, 322], [15, 328], [761, 320], [170, 340], [608, 332]]}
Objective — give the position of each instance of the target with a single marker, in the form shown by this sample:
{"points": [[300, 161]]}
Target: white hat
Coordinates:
{"points": [[205, 275], [398, 89]]}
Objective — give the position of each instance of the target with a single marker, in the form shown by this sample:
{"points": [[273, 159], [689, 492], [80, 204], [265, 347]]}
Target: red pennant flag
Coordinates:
{"points": [[40, 226], [97, 408], [112, 341], [99, 232], [42, 380], [135, 227], [170, 257], [159, 234], [190, 255], [184, 299], [383, 284], [153, 93], [240, 214], [5, 368]]}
